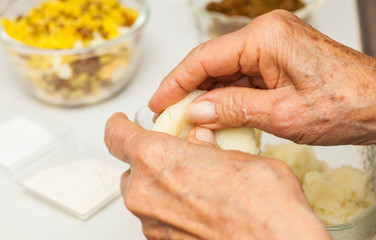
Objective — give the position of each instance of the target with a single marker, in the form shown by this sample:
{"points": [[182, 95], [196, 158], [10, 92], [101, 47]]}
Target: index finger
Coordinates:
{"points": [[215, 58]]}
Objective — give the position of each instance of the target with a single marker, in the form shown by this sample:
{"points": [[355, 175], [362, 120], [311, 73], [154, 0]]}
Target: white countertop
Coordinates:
{"points": [[169, 35]]}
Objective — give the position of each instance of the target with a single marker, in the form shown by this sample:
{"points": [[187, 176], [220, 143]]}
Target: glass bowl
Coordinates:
{"points": [[77, 76], [361, 227], [213, 24]]}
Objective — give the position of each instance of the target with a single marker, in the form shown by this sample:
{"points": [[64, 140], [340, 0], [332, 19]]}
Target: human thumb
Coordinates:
{"points": [[233, 107], [201, 136]]}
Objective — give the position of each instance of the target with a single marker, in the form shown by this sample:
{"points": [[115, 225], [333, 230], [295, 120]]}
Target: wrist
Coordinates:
{"points": [[361, 113], [349, 89]]}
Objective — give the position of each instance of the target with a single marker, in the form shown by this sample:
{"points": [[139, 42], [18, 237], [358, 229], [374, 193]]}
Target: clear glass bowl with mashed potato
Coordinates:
{"points": [[211, 24], [339, 181], [65, 65]]}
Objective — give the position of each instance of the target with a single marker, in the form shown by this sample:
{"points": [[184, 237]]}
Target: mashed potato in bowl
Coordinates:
{"points": [[336, 195]]}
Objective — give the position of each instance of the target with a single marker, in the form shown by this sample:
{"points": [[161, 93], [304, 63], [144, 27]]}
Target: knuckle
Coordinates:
{"points": [[196, 51], [124, 179], [147, 231], [201, 46], [283, 166], [152, 230], [278, 15], [118, 115], [198, 54], [150, 147], [232, 110], [132, 199], [152, 154], [282, 12], [283, 169], [128, 201], [277, 19]]}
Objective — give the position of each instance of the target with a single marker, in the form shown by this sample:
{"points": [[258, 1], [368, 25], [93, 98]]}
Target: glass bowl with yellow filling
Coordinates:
{"points": [[74, 52], [218, 17]]}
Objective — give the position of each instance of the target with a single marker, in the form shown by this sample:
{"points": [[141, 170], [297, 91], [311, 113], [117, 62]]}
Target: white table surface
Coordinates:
{"points": [[169, 35]]}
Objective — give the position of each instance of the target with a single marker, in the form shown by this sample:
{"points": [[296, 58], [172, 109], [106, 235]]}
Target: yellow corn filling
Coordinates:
{"points": [[62, 24]]}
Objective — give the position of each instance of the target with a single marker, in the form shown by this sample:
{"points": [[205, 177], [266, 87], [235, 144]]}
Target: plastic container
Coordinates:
{"points": [[46, 158], [75, 177], [363, 226], [24, 134], [79, 76], [213, 24]]}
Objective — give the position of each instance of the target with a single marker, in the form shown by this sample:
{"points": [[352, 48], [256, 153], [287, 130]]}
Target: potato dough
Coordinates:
{"points": [[172, 121]]}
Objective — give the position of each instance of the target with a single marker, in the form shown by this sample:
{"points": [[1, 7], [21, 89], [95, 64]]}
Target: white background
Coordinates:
{"points": [[169, 35]]}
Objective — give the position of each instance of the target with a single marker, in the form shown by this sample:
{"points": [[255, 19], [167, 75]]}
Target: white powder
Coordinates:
{"points": [[81, 187]]}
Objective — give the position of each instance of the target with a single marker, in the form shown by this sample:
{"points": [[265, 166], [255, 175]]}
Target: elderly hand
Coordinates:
{"points": [[193, 190], [287, 79]]}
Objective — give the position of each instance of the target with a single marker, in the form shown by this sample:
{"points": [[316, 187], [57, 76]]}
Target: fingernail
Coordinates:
{"points": [[204, 135], [201, 112], [155, 116]]}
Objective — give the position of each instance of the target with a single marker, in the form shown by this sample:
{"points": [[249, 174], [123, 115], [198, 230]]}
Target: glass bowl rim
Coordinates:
{"points": [[133, 29], [355, 221], [301, 13]]}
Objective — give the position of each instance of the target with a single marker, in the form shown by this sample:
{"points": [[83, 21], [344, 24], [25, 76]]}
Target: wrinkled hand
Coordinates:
{"points": [[193, 190], [287, 79]]}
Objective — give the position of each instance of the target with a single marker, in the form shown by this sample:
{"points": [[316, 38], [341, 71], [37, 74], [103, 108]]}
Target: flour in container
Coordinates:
{"points": [[80, 187]]}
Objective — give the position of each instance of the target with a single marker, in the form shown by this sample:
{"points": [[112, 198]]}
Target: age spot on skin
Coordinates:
{"points": [[365, 85], [314, 38], [335, 98]]}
